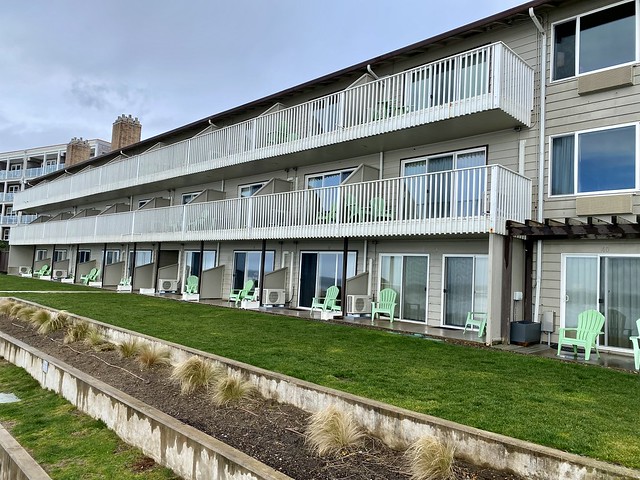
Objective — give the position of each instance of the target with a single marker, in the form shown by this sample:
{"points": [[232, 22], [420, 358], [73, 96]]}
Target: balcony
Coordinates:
{"points": [[490, 78], [466, 201], [6, 197]]}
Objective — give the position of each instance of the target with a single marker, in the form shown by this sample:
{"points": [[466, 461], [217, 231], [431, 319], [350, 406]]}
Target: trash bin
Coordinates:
{"points": [[525, 333]]}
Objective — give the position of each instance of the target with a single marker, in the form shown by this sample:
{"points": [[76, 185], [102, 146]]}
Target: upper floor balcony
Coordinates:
{"points": [[466, 201], [489, 88], [29, 172]]}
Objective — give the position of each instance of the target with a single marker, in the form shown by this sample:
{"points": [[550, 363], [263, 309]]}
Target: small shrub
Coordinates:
{"points": [[6, 305], [39, 317], [76, 332], [128, 349], [430, 459], [149, 356], [15, 309], [24, 315], [93, 338], [232, 388], [195, 373], [56, 322], [331, 430]]}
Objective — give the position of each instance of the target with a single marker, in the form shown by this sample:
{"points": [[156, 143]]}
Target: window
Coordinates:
{"points": [[5, 233], [595, 40], [247, 266], [59, 255], [13, 188], [321, 270], [193, 263], [41, 254], [9, 211], [84, 256], [249, 190], [142, 203], [15, 167], [187, 197], [328, 198], [594, 161], [112, 256], [143, 257]]}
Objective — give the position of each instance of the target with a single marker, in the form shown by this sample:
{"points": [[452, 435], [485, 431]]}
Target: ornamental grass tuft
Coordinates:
{"points": [[430, 459], [195, 373], [331, 430]]}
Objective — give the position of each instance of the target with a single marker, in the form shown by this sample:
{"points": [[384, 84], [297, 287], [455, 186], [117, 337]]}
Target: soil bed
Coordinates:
{"points": [[264, 429]]}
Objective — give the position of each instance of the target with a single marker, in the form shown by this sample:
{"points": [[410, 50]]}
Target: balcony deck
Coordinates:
{"points": [[465, 201], [487, 79]]}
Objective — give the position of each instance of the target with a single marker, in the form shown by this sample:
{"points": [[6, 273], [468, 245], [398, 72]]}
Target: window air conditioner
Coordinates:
{"points": [[167, 285], [274, 296], [23, 270], [59, 274], [358, 304]]}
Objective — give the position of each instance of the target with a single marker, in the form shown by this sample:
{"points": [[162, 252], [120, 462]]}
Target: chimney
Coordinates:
{"points": [[126, 131], [78, 151]]}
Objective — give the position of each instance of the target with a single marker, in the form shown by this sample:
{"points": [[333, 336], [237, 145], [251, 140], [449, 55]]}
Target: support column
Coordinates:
{"points": [[53, 258], [157, 266], [528, 280], [75, 263], [494, 295], [132, 267], [104, 260], [262, 260], [507, 296], [343, 290], [201, 266]]}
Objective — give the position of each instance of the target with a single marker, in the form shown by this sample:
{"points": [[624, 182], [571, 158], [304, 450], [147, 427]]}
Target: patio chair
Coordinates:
{"points": [[124, 282], [328, 303], [590, 323], [90, 277], [42, 271], [378, 209], [192, 284], [476, 319], [386, 304], [237, 295], [327, 216], [635, 341]]}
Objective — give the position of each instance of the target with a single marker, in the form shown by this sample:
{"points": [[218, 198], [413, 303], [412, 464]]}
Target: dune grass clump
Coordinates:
{"points": [[76, 332], [330, 430], [5, 306], [151, 356], [16, 308], [232, 388], [430, 459], [195, 373], [128, 348], [94, 338], [56, 321], [24, 315], [39, 317]]}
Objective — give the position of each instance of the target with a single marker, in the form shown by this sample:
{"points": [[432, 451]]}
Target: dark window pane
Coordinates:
{"points": [[564, 60], [562, 153], [606, 160], [607, 38]]}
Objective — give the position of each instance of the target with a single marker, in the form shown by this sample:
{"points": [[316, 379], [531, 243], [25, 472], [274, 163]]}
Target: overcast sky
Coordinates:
{"points": [[68, 68]]}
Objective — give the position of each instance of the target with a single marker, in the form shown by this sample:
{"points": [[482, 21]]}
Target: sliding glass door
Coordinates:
{"points": [[319, 271], [606, 283], [407, 275], [193, 259], [246, 266], [466, 286]]}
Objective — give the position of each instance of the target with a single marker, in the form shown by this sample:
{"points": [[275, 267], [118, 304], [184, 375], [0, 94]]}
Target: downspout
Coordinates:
{"points": [[541, 146], [372, 73]]}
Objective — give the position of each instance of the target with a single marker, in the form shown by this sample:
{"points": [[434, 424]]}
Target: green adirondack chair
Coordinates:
{"points": [[386, 304], [378, 209], [590, 323], [635, 341], [476, 319], [91, 276], [125, 282], [237, 295], [192, 284], [44, 270], [327, 303]]}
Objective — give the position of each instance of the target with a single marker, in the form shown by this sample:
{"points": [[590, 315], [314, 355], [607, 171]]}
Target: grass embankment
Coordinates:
{"points": [[14, 283], [65, 442], [582, 409]]}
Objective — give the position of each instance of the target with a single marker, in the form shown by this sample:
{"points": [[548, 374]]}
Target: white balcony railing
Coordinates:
{"points": [[487, 78], [6, 197], [472, 200]]}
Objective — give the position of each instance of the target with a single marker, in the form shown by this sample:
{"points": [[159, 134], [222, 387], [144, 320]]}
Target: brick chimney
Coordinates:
{"points": [[126, 131], [78, 151]]}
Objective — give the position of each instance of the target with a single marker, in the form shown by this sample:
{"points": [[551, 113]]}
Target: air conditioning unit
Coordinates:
{"points": [[59, 274], [23, 270], [167, 285], [357, 304], [274, 296]]}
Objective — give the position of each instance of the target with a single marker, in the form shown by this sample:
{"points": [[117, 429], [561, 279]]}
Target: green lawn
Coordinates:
{"points": [[66, 443], [582, 409], [14, 283]]}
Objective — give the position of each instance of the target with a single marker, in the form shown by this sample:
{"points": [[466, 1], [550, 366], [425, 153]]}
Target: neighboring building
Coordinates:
{"points": [[434, 169], [20, 168]]}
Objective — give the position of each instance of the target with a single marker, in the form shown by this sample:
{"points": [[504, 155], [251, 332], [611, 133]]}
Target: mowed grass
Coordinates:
{"points": [[583, 409], [14, 283], [66, 443]]}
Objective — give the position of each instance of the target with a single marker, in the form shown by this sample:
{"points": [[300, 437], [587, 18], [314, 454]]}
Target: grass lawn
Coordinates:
{"points": [[583, 409], [14, 283], [65, 442]]}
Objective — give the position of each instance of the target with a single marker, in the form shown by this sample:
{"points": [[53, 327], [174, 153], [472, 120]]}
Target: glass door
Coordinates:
{"points": [[466, 288], [319, 271], [192, 261], [407, 275], [246, 266], [581, 288]]}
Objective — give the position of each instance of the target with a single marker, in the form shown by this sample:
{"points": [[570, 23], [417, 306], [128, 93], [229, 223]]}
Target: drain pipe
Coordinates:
{"points": [[372, 73], [541, 145]]}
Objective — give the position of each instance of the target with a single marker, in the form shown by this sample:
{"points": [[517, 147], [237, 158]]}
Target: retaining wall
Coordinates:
{"points": [[15, 462]]}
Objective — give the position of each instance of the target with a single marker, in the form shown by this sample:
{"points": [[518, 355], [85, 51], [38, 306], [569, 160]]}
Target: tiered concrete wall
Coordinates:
{"points": [[16, 463]]}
